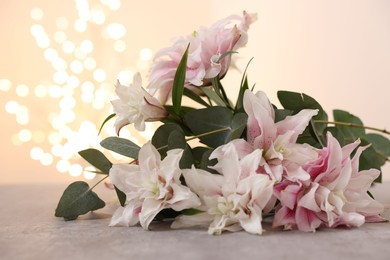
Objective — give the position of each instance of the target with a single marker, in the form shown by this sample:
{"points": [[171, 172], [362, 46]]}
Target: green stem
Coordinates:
{"points": [[105, 177], [352, 125], [208, 133]]}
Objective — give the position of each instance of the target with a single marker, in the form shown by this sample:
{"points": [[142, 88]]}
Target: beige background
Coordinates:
{"points": [[335, 51]]}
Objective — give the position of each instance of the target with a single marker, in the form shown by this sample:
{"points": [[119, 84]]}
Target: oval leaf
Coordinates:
{"points": [[122, 146], [210, 119], [76, 200], [161, 137], [350, 133], [97, 159], [295, 102]]}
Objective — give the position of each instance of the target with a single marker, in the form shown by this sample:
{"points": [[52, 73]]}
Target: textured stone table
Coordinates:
{"points": [[28, 230]]}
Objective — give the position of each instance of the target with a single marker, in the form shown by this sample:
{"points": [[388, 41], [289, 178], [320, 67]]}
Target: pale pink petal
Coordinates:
{"points": [[170, 165], [296, 123], [284, 217], [150, 209], [184, 221], [183, 198], [261, 129], [306, 220], [148, 158], [202, 182], [125, 176], [252, 224], [350, 220], [125, 216], [308, 200]]}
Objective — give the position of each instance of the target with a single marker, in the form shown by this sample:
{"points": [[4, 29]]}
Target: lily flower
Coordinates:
{"points": [[233, 200], [136, 105], [278, 140], [336, 193], [150, 186], [208, 55]]}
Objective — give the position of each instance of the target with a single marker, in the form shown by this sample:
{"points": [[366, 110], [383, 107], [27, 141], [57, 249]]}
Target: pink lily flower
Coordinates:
{"points": [[205, 57], [335, 194], [282, 155]]}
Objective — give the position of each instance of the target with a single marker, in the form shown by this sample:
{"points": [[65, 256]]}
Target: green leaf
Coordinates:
{"points": [[370, 159], [97, 159], [197, 154], [281, 114], [191, 212], [121, 196], [209, 92], [220, 91], [178, 82], [192, 95], [187, 159], [296, 102], [76, 200], [176, 139], [105, 121], [243, 86], [380, 143], [336, 133], [226, 54], [206, 162], [350, 133], [240, 98], [166, 214], [210, 119], [161, 137], [121, 146]]}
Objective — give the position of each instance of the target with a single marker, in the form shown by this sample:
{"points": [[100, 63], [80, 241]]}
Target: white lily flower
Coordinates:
{"points": [[136, 105], [232, 201], [150, 186]]}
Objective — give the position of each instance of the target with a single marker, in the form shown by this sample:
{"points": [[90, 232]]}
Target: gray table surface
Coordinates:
{"points": [[29, 230]]}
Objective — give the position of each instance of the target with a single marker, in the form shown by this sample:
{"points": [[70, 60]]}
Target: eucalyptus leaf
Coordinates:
{"points": [[161, 137], [191, 212], [206, 162], [203, 121], [76, 200], [350, 133], [97, 159], [121, 196], [281, 114], [380, 143], [336, 133], [176, 139], [187, 159], [369, 159], [178, 82], [296, 102], [197, 154], [121, 146]]}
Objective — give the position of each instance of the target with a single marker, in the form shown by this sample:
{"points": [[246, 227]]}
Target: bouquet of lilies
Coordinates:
{"points": [[228, 165]]}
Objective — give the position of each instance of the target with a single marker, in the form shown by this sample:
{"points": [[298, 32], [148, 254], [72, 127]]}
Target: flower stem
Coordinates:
{"points": [[208, 133], [352, 125], [105, 177]]}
